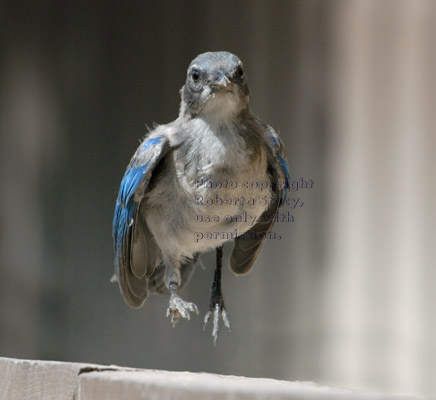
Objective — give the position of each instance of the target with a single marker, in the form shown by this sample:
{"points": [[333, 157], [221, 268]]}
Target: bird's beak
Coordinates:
{"points": [[221, 83]]}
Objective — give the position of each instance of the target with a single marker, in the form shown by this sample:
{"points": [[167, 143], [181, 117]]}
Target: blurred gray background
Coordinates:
{"points": [[345, 298]]}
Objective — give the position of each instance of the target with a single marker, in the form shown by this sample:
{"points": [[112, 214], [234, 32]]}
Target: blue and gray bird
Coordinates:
{"points": [[196, 183]]}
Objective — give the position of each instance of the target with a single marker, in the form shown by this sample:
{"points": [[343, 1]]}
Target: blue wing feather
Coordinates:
{"points": [[278, 152], [133, 185], [284, 166], [126, 206], [151, 142]]}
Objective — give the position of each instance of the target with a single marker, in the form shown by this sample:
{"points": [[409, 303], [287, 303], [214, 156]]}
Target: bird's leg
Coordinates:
{"points": [[177, 307], [216, 306]]}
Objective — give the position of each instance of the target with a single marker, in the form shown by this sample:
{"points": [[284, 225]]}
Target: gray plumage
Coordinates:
{"points": [[176, 180]]}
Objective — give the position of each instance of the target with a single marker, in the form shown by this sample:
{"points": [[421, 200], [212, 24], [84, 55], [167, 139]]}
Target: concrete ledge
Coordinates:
{"points": [[48, 380], [148, 384], [28, 380]]}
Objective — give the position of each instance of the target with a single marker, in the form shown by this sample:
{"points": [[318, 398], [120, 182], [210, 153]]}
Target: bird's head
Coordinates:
{"points": [[215, 86]]}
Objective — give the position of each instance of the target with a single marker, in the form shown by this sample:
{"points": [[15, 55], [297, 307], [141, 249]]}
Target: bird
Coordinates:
{"points": [[194, 184]]}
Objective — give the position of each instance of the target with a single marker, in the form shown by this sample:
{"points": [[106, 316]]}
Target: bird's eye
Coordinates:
{"points": [[240, 72], [195, 74]]}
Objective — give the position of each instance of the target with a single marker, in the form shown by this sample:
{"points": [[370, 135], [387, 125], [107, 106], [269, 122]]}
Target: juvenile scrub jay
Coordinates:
{"points": [[196, 183]]}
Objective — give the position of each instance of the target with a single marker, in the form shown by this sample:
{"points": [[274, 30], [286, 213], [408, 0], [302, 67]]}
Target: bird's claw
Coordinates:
{"points": [[218, 311], [180, 308]]}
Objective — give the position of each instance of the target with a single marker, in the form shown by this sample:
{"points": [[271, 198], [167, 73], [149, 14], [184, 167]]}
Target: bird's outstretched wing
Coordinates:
{"points": [[247, 246], [136, 253]]}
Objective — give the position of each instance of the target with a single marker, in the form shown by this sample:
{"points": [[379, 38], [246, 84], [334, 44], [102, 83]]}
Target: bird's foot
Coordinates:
{"points": [[218, 310], [179, 308]]}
